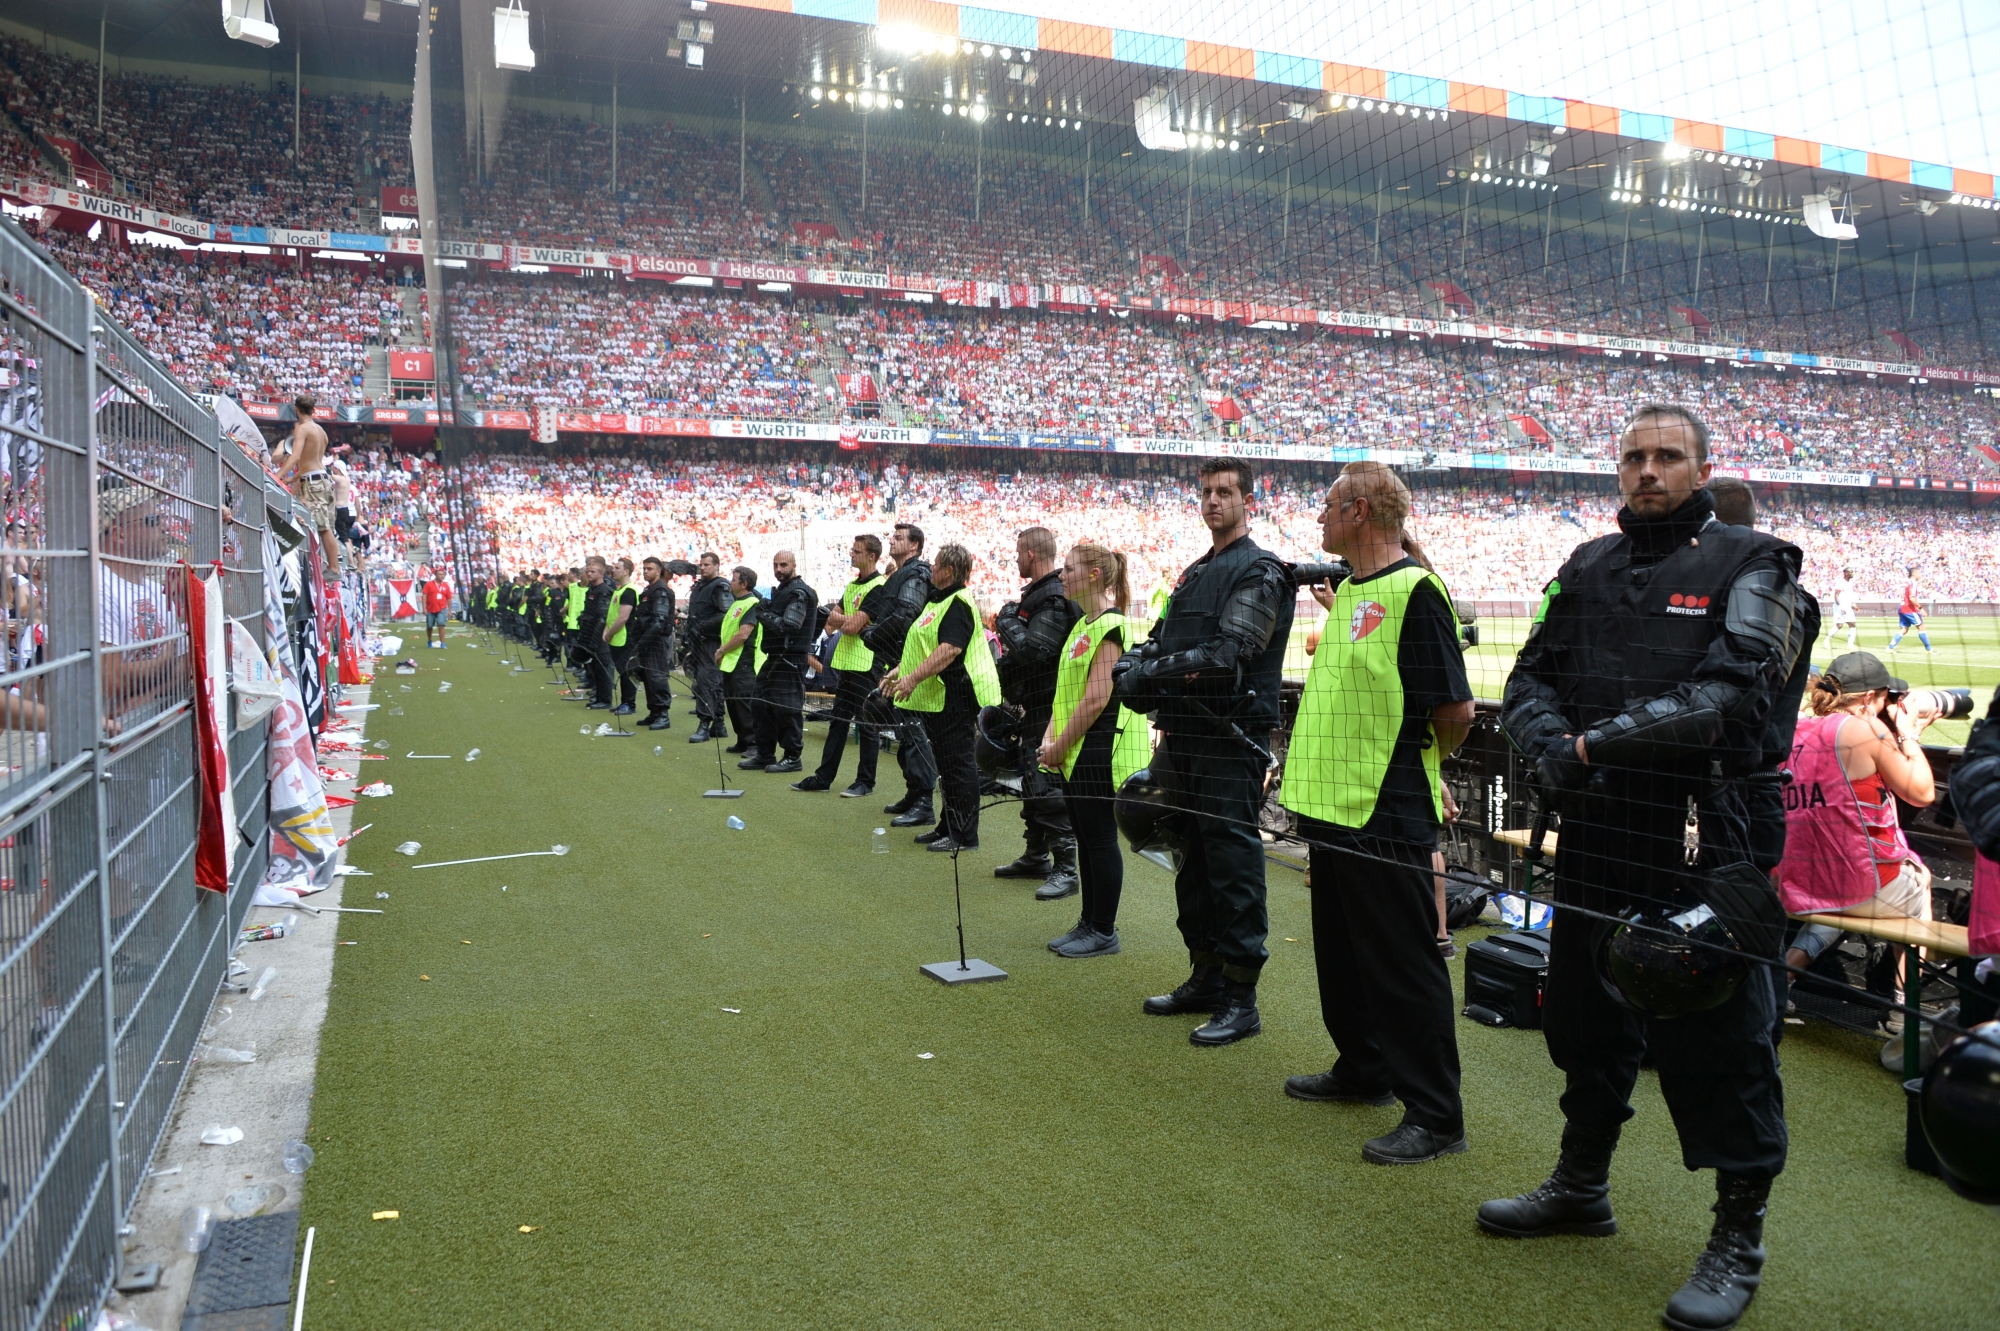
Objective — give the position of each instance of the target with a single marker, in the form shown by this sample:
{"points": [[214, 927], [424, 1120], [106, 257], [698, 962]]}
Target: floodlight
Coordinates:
{"points": [[248, 21], [986, 51], [816, 94], [1006, 53], [899, 103], [511, 48], [696, 55], [979, 113]]}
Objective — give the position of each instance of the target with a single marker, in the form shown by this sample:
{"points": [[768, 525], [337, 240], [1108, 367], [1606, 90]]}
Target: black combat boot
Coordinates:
{"points": [[1727, 1273], [1200, 992], [1062, 880], [1034, 861], [1576, 1199], [1235, 1018]]}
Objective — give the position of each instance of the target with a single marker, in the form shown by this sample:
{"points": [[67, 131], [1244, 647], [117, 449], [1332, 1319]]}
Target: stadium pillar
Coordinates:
{"points": [[614, 129], [102, 20], [864, 173], [1378, 218], [298, 105], [1548, 229], [1086, 177], [1285, 227], [1833, 297], [742, 149], [978, 165], [1700, 251], [1770, 256], [1625, 256], [1187, 216], [1916, 275]]}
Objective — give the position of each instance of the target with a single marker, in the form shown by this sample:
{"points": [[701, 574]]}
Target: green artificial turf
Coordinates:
{"points": [[1063, 1160]]}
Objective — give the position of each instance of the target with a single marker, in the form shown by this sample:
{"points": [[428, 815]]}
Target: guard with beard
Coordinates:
{"points": [[590, 631], [788, 620], [1032, 632], [903, 598], [1209, 674], [707, 604], [650, 655], [1645, 696], [854, 664]]}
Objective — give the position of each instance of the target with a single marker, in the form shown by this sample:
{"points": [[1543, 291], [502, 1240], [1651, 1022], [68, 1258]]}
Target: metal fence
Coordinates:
{"points": [[112, 476]]}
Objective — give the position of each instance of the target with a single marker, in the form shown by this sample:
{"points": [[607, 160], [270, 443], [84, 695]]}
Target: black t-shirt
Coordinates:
{"points": [[1432, 666], [961, 630]]}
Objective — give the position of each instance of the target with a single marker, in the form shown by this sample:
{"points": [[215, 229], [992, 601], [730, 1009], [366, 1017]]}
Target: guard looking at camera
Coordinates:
{"points": [[1032, 631], [789, 620], [1644, 696], [1209, 674], [651, 637], [708, 602], [904, 597]]}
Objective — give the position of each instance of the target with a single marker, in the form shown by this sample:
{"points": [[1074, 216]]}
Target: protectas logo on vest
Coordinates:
{"points": [[1368, 617], [1679, 604], [1080, 648]]}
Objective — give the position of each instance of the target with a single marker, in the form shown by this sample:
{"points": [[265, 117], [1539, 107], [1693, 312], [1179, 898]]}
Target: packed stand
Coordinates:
{"points": [[595, 345], [222, 154]]}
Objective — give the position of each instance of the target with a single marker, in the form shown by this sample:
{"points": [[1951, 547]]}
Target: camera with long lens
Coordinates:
{"points": [[1312, 575], [1939, 704]]}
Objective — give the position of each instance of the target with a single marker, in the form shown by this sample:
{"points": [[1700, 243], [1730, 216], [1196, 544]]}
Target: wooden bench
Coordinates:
{"points": [[1911, 935]]}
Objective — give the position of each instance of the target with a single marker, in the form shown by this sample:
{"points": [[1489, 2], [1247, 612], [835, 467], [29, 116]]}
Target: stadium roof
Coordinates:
{"points": [[1357, 123]]}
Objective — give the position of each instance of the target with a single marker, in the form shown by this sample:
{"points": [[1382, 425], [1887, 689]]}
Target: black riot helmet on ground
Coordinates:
{"points": [[996, 747], [1960, 1108], [1671, 961], [1146, 816]]}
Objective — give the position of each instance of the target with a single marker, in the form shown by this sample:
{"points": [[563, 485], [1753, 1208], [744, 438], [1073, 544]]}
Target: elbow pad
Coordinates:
{"points": [[1763, 612], [1667, 728], [1250, 615], [1011, 628], [794, 617], [1042, 640]]}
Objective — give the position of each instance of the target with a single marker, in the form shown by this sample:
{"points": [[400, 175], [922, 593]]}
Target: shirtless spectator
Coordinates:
{"points": [[305, 471]]}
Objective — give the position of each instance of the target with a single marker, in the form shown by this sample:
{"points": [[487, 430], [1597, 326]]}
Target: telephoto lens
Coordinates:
{"points": [[1312, 575], [1941, 704]]}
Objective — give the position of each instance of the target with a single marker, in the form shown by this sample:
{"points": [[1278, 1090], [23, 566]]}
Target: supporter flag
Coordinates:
{"points": [[1992, 453], [850, 438], [1900, 346], [403, 598], [304, 847], [1527, 430], [1445, 299], [215, 838], [1226, 409], [1690, 324], [857, 387]]}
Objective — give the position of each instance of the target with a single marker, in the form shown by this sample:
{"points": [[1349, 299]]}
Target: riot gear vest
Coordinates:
{"points": [[1193, 617], [1623, 630]]}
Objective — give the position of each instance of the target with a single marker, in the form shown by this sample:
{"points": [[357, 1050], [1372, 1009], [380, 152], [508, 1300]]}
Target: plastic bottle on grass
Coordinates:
{"points": [[735, 823], [878, 841]]}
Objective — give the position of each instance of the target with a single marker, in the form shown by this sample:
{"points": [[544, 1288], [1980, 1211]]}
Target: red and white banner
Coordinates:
{"points": [[412, 364], [402, 598], [83, 164], [215, 839], [857, 387], [399, 200]]}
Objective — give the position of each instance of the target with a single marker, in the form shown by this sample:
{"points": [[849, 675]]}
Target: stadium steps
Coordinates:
{"points": [[830, 197], [760, 186], [375, 380]]}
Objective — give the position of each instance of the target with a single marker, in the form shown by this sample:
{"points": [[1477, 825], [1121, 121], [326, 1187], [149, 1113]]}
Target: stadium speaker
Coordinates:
{"points": [[248, 21], [511, 49], [1152, 119], [1824, 218]]}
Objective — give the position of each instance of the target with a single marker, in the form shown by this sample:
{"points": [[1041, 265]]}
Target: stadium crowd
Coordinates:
{"points": [[225, 154], [1492, 544]]}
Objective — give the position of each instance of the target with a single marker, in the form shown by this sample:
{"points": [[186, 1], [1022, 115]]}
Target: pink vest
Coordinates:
{"points": [[1830, 859]]}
